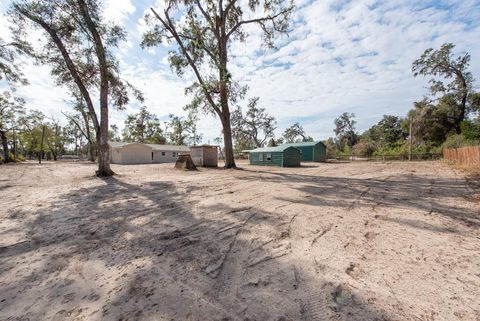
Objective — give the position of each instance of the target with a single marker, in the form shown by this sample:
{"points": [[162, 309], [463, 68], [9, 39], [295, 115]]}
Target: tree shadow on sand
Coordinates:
{"points": [[152, 251], [401, 191]]}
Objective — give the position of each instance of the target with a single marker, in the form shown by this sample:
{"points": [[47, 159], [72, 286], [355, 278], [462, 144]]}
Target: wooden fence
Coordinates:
{"points": [[464, 156]]}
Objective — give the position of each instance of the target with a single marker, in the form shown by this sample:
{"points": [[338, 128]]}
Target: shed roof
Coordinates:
{"points": [[301, 144], [169, 147], [204, 145], [152, 146], [280, 148]]}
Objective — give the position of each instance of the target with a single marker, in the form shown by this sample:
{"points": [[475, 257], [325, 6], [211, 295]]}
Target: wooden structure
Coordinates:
{"points": [[310, 151], [469, 156], [283, 156], [185, 162], [204, 155]]}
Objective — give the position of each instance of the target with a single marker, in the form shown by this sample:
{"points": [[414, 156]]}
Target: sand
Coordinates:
{"points": [[331, 241]]}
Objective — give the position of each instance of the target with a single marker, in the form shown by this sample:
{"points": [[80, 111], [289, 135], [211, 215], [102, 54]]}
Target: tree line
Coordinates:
{"points": [[33, 135], [80, 45], [446, 117]]}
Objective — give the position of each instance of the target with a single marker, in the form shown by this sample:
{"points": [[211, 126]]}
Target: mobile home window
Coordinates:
{"points": [[152, 156], [260, 157], [269, 156], [174, 154], [163, 153]]}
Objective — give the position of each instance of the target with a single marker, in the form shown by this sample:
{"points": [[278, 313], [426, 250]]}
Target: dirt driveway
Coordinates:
{"points": [[332, 241]]}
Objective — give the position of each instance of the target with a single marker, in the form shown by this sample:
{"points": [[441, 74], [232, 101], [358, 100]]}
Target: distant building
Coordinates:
{"points": [[284, 156], [204, 155], [137, 153], [310, 151]]}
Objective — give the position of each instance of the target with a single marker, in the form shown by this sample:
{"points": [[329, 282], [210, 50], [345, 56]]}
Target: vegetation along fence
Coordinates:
{"points": [[390, 157], [463, 156]]}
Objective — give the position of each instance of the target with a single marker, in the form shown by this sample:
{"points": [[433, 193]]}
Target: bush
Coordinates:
{"points": [[395, 150], [470, 130], [364, 149], [20, 158], [457, 141]]}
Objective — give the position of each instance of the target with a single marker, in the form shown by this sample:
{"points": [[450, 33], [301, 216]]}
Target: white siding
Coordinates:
{"points": [[136, 154], [116, 155], [166, 156]]}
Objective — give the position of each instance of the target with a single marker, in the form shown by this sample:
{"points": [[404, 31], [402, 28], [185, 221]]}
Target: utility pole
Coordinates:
{"points": [[14, 145], [41, 146], [410, 139], [195, 135]]}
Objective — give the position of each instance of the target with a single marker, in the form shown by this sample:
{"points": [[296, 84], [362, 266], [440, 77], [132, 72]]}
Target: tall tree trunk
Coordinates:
{"points": [[103, 148], [461, 116], [88, 134], [227, 141], [41, 146], [224, 79], [91, 150], [104, 169], [3, 136], [463, 103]]}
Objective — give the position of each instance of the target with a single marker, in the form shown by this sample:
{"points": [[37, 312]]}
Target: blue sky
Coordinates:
{"points": [[341, 56]]}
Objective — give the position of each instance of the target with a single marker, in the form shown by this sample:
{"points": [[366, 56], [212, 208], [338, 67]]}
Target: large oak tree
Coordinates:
{"points": [[203, 32], [78, 46], [253, 128], [450, 76]]}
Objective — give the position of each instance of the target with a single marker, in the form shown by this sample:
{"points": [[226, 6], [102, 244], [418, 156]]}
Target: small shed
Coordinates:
{"points": [[204, 155], [284, 156], [311, 151]]}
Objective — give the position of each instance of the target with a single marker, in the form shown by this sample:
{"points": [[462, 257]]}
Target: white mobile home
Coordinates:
{"points": [[137, 153]]}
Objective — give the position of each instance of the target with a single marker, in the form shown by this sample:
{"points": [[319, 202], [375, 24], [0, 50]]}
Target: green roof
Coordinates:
{"points": [[302, 144], [280, 148]]}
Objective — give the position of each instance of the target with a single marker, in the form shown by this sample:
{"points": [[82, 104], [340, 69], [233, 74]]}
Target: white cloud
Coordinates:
{"points": [[118, 10], [42, 93], [357, 59]]}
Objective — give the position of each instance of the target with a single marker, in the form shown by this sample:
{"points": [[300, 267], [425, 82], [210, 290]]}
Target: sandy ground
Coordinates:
{"points": [[332, 241]]}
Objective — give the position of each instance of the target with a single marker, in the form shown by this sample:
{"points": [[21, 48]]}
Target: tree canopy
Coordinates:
{"points": [[345, 130], [203, 32], [78, 47], [450, 76], [143, 127], [296, 133], [253, 128]]}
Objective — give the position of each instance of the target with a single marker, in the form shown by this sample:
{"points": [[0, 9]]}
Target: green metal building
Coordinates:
{"points": [[310, 151], [284, 156]]}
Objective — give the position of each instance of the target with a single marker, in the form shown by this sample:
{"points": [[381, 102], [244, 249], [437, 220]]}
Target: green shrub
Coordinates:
{"points": [[454, 141], [470, 130], [364, 148], [457, 141], [20, 158]]}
